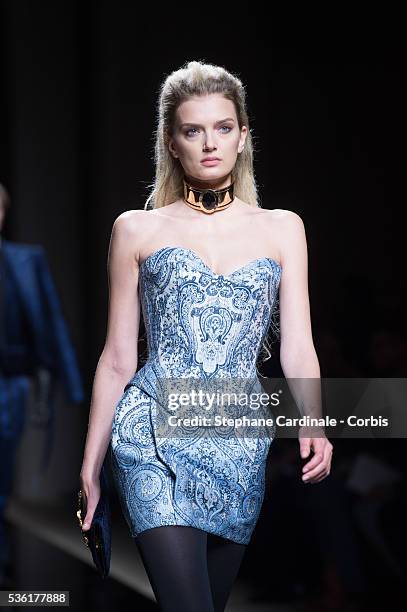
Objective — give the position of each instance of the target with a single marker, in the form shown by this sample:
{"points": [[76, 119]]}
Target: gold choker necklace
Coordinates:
{"points": [[208, 200]]}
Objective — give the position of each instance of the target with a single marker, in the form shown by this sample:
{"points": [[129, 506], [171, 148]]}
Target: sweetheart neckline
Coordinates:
{"points": [[195, 254]]}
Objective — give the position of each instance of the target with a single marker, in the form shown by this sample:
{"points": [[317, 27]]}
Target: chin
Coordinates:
{"points": [[204, 177], [210, 173]]}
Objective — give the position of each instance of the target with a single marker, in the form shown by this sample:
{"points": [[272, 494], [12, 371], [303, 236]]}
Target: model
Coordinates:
{"points": [[204, 264]]}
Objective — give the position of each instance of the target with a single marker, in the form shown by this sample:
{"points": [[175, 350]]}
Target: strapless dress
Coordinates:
{"points": [[208, 327]]}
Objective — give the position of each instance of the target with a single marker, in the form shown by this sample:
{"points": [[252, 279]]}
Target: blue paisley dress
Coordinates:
{"points": [[209, 326]]}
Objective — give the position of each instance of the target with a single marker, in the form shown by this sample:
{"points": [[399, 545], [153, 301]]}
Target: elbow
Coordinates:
{"points": [[122, 369], [300, 362]]}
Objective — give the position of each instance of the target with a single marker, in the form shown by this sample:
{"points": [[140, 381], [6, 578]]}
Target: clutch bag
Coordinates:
{"points": [[98, 537]]}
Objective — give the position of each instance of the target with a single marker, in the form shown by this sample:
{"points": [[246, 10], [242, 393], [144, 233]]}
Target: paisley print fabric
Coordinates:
{"points": [[210, 327]]}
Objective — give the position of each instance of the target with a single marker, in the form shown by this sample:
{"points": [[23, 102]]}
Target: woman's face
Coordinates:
{"points": [[207, 126]]}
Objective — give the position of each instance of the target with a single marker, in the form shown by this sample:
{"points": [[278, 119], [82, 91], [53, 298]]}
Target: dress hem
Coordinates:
{"points": [[224, 537]]}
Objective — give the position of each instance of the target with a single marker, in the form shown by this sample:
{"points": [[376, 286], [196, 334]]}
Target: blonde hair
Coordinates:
{"points": [[197, 79]]}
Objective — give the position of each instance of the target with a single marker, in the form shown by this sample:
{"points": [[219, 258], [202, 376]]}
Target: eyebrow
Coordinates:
{"points": [[197, 124]]}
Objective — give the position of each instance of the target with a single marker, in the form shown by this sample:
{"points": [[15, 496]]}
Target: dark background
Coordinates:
{"points": [[79, 85]]}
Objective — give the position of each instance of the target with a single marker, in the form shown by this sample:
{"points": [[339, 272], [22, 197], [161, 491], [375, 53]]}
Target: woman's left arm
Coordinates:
{"points": [[298, 357]]}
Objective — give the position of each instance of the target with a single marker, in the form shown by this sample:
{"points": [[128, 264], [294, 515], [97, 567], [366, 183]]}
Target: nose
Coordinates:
{"points": [[209, 143]]}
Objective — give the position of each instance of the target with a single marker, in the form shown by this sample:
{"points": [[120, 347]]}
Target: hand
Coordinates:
{"points": [[319, 466], [91, 494]]}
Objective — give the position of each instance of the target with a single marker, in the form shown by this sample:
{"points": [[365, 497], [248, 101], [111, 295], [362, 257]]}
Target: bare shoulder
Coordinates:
{"points": [[131, 220], [284, 218], [289, 231], [136, 223], [288, 223], [135, 228], [292, 227]]}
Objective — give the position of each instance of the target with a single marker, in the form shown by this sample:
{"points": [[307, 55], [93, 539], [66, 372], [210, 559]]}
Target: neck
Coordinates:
{"points": [[218, 183], [208, 200]]}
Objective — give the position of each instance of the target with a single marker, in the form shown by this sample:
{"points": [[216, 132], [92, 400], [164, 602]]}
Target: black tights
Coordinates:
{"points": [[189, 569]]}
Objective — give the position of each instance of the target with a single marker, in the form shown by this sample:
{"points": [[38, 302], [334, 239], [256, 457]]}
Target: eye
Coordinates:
{"points": [[227, 127]]}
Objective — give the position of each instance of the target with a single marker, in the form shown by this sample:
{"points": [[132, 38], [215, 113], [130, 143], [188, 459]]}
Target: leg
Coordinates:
{"points": [[174, 557], [224, 560]]}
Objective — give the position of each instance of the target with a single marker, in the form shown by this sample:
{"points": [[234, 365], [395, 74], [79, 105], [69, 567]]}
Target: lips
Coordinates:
{"points": [[210, 162], [210, 159]]}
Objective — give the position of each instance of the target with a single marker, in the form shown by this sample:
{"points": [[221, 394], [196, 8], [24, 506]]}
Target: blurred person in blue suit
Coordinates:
{"points": [[35, 348]]}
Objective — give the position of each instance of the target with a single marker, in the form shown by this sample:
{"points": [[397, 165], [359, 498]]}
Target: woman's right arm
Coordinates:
{"points": [[118, 360]]}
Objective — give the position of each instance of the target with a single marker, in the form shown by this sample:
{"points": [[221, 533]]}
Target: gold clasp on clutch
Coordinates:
{"points": [[79, 515]]}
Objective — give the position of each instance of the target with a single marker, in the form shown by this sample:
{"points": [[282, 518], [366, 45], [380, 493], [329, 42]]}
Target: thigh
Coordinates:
{"points": [[224, 560], [174, 557]]}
